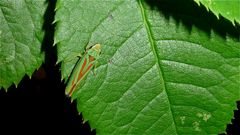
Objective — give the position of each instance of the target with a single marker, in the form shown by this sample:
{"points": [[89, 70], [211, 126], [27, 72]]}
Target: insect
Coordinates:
{"points": [[83, 67]]}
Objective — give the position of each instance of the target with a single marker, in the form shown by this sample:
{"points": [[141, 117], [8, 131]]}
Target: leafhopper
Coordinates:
{"points": [[82, 68]]}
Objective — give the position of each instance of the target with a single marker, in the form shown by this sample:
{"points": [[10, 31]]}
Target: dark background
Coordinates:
{"points": [[38, 105]]}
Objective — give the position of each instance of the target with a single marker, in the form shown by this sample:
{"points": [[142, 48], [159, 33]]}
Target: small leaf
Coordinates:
{"points": [[21, 36], [229, 9], [163, 69]]}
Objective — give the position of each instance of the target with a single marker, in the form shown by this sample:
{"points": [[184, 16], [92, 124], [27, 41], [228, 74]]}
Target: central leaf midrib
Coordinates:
{"points": [[154, 50]]}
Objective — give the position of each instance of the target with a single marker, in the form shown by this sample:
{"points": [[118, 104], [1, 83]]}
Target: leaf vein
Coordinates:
{"points": [[154, 49]]}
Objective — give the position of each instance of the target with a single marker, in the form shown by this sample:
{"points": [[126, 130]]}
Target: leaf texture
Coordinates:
{"points": [[21, 37], [229, 9], [162, 70]]}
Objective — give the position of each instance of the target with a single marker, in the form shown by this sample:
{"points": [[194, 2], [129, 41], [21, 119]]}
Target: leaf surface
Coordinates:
{"points": [[229, 9], [21, 37], [163, 70]]}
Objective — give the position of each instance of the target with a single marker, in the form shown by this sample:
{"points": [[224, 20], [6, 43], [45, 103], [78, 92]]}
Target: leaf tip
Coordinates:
{"points": [[58, 5], [55, 21], [55, 42], [62, 78], [16, 85], [5, 89], [58, 61], [84, 121], [197, 1], [92, 129]]}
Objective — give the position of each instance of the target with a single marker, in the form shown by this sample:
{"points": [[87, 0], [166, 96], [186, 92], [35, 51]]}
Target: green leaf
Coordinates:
{"points": [[21, 36], [163, 70], [229, 9]]}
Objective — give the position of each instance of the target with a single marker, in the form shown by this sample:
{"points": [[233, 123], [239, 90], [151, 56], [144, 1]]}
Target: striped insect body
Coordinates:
{"points": [[82, 68]]}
